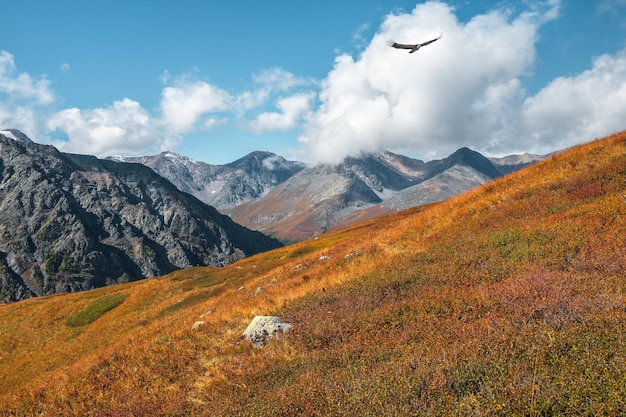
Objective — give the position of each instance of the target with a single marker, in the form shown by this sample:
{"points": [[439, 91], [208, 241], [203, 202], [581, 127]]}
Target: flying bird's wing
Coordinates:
{"points": [[412, 48], [431, 41]]}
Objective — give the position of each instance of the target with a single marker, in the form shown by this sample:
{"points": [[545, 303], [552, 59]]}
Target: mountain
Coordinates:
{"points": [[463, 170], [308, 203], [265, 192], [73, 222], [507, 300], [325, 197], [510, 163], [222, 186]]}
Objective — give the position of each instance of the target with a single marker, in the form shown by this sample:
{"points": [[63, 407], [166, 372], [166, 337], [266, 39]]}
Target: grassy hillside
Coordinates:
{"points": [[508, 300]]}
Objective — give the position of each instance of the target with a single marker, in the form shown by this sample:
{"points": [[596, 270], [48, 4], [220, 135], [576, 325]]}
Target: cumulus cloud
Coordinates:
{"points": [[124, 128], [186, 102], [465, 89], [277, 79], [588, 105], [267, 85], [22, 96], [292, 110], [22, 85]]}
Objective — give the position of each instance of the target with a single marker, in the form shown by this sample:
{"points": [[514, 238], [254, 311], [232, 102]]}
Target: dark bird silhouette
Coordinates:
{"points": [[413, 48]]}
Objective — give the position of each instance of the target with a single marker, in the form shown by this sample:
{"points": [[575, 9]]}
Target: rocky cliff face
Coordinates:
{"points": [[74, 222]]}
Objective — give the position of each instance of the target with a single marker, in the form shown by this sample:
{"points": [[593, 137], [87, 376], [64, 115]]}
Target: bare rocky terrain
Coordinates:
{"points": [[74, 222]]}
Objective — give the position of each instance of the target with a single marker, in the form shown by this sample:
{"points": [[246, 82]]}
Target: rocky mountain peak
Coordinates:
{"points": [[472, 159], [222, 186], [72, 222], [15, 135]]}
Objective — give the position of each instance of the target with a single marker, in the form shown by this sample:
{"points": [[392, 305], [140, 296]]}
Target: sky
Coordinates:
{"points": [[312, 81]]}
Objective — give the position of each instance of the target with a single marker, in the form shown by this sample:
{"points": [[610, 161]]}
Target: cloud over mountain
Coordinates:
{"points": [[466, 88], [470, 88]]}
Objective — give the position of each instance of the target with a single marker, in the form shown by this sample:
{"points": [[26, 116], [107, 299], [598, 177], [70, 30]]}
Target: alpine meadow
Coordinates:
{"points": [[506, 300]]}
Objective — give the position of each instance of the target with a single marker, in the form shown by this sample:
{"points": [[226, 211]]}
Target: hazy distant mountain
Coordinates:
{"points": [[510, 163], [222, 186], [323, 197], [463, 170], [263, 191], [72, 222]]}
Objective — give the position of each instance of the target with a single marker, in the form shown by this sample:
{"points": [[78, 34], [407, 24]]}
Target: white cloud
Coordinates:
{"points": [[277, 79], [292, 110], [185, 103], [22, 97], [65, 67], [21, 85], [267, 84], [588, 105], [124, 128], [464, 89], [21, 117]]}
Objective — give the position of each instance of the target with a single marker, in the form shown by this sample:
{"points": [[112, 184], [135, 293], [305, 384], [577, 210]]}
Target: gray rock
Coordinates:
{"points": [[222, 186], [262, 328]]}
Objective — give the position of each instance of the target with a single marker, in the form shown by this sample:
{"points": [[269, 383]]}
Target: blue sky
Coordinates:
{"points": [[312, 81]]}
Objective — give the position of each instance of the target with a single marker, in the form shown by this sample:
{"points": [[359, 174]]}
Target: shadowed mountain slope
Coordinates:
{"points": [[74, 222], [506, 300]]}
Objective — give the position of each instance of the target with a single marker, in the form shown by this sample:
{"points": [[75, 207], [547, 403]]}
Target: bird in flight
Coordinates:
{"points": [[413, 48]]}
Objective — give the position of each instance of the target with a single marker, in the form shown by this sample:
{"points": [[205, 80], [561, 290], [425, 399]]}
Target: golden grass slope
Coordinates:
{"points": [[508, 300]]}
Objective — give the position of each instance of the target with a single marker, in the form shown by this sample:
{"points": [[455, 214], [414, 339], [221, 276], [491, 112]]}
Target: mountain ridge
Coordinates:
{"points": [[221, 186], [72, 222], [256, 193], [398, 182]]}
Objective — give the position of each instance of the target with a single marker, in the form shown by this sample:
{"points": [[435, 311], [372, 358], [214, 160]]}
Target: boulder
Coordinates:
{"points": [[197, 325], [262, 328]]}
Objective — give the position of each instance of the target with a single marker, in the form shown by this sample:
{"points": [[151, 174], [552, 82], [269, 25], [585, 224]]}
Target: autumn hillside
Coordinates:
{"points": [[508, 300]]}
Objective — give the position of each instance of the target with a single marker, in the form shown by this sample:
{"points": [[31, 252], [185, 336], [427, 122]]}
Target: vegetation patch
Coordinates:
{"points": [[192, 300], [96, 309]]}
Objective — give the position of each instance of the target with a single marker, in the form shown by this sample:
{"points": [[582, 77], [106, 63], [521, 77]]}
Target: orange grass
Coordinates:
{"points": [[507, 300]]}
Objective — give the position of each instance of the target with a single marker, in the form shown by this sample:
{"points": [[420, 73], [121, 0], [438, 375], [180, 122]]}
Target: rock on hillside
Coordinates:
{"points": [[222, 186], [74, 222]]}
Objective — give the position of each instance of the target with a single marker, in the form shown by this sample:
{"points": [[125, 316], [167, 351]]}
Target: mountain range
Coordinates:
{"points": [[221, 186], [73, 222], [293, 202]]}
